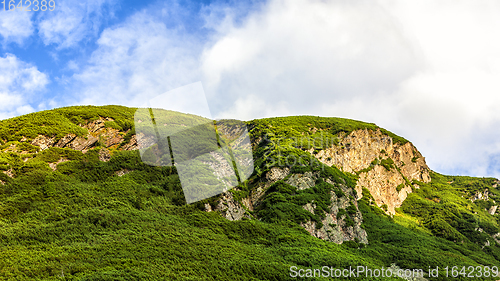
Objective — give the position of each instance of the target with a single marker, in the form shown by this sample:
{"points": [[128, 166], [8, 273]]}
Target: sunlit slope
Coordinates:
{"points": [[68, 214]]}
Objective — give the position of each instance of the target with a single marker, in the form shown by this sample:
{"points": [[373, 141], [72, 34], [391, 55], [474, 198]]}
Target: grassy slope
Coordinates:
{"points": [[86, 223], [62, 121], [294, 126]]}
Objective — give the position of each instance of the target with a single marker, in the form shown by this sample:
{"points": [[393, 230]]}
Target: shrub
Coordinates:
{"points": [[400, 186], [387, 163]]}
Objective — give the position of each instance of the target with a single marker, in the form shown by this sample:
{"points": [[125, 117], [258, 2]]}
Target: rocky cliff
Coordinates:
{"points": [[341, 223], [97, 133], [385, 168], [389, 170]]}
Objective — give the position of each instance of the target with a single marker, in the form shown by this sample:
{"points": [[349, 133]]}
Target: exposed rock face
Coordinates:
{"points": [[231, 132], [82, 144], [356, 152], [496, 184], [276, 174], [493, 210], [141, 140], [230, 208], [43, 142], [9, 173], [65, 140], [122, 172], [302, 181], [221, 167], [382, 184], [97, 132], [132, 145], [104, 155], [336, 228], [497, 237], [481, 196], [208, 208], [385, 168]]}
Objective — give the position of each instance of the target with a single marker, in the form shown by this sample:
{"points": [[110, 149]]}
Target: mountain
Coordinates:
{"points": [[78, 203]]}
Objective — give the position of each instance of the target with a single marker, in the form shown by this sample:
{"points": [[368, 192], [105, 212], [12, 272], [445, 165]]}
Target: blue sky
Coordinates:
{"points": [[427, 70], [62, 43]]}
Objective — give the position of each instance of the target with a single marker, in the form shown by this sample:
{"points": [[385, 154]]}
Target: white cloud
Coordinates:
{"points": [[19, 81], [428, 70], [136, 61], [73, 21], [295, 50], [247, 107], [15, 26]]}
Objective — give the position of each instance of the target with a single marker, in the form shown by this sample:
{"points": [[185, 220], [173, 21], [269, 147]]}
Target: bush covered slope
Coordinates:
{"points": [[119, 219]]}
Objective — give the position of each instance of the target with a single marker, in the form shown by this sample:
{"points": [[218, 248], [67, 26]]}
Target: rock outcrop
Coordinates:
{"points": [[43, 142], [383, 185], [98, 133], [367, 153], [104, 155], [230, 208], [337, 226], [481, 196], [493, 210], [388, 170]]}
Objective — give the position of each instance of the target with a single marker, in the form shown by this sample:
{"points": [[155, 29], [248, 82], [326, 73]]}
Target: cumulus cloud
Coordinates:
{"points": [[19, 81], [292, 51], [137, 60], [428, 70], [15, 26], [73, 21]]}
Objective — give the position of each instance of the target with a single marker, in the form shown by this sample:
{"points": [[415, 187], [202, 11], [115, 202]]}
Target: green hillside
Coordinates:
{"points": [[62, 121], [124, 220]]}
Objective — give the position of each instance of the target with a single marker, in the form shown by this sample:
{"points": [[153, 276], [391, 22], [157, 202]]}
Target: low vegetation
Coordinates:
{"points": [[125, 220]]}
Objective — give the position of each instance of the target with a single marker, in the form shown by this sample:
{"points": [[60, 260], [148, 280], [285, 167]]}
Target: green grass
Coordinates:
{"points": [[444, 208], [284, 202], [62, 121], [89, 224], [328, 127], [69, 120], [414, 247], [84, 222]]}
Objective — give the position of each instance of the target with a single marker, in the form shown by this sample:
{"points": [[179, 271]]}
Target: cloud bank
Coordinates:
{"points": [[137, 60], [426, 70]]}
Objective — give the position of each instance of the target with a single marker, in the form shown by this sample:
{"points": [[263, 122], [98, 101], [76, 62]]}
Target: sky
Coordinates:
{"points": [[426, 70]]}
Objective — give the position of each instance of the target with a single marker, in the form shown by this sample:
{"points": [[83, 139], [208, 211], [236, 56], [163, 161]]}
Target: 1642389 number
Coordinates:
{"points": [[471, 271], [29, 6]]}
